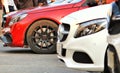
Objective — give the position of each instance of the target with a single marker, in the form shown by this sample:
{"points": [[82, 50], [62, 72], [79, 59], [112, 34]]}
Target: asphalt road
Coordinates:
{"points": [[22, 60]]}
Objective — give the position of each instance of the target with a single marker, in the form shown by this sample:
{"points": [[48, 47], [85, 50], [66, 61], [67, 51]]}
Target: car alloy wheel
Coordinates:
{"points": [[42, 36]]}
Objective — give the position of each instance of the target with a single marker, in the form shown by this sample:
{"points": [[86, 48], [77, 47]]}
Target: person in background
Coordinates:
{"points": [[92, 3], [23, 4], [118, 3], [42, 3], [0, 5], [8, 6], [100, 2], [57, 2], [116, 7], [51, 1], [109, 1], [45, 2]]}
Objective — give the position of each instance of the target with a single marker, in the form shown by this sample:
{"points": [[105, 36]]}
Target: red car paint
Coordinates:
{"points": [[53, 13]]}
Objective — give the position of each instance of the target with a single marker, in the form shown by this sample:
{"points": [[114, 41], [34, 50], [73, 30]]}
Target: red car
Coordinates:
{"points": [[37, 27]]}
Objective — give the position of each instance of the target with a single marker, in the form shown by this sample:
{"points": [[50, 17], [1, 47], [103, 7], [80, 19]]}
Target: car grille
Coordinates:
{"points": [[64, 32]]}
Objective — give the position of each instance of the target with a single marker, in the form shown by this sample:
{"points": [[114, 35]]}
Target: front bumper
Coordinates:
{"points": [[6, 39], [82, 58], [83, 53], [9, 38]]}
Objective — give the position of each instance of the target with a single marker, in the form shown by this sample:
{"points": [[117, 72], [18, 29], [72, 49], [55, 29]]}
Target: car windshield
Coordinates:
{"points": [[59, 2]]}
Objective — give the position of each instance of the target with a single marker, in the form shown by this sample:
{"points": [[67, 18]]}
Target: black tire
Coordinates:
{"points": [[106, 68], [112, 56], [42, 36]]}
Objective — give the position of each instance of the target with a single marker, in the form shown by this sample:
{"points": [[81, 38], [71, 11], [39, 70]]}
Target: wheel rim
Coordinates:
{"points": [[44, 36]]}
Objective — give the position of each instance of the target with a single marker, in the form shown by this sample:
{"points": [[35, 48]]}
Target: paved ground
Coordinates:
{"points": [[22, 60]]}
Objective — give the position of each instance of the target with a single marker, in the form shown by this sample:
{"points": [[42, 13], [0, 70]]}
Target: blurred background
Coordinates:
{"points": [[0, 15], [0, 19]]}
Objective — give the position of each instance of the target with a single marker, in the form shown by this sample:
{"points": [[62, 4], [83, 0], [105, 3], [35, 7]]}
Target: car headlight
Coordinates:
{"points": [[90, 27], [17, 18]]}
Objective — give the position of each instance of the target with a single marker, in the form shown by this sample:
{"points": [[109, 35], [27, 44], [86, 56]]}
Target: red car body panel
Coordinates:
{"points": [[54, 13]]}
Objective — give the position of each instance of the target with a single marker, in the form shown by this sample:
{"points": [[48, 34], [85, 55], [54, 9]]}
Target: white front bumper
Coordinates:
{"points": [[94, 45]]}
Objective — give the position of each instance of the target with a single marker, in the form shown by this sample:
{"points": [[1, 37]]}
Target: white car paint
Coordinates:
{"points": [[115, 41], [94, 45]]}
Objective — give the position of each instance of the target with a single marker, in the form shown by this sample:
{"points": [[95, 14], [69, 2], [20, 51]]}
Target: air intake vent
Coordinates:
{"points": [[81, 57], [63, 52]]}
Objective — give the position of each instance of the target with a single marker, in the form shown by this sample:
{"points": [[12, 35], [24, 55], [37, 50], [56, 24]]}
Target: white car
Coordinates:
{"points": [[82, 38], [113, 50]]}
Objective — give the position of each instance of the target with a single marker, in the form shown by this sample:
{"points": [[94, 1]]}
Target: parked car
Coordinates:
{"points": [[113, 50], [82, 38], [37, 27]]}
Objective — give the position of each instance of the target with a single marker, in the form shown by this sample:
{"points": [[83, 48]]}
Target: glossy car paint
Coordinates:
{"points": [[54, 13], [115, 41], [94, 45], [113, 50]]}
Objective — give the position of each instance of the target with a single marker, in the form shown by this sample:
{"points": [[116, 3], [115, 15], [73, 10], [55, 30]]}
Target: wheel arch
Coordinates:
{"points": [[114, 65], [25, 39], [111, 49]]}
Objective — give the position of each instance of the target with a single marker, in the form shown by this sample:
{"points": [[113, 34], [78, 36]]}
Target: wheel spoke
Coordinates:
{"points": [[42, 43], [53, 37], [46, 29], [35, 37], [38, 41], [36, 32], [41, 29], [46, 43], [51, 42], [52, 31]]}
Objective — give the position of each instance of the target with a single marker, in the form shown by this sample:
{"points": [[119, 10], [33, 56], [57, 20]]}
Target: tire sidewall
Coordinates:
{"points": [[32, 45]]}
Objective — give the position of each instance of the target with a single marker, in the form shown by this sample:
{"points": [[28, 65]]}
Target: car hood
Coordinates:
{"points": [[101, 11], [39, 9], [45, 8]]}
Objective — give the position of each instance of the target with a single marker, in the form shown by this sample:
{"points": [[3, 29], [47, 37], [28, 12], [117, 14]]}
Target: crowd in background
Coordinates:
{"points": [[12, 5]]}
